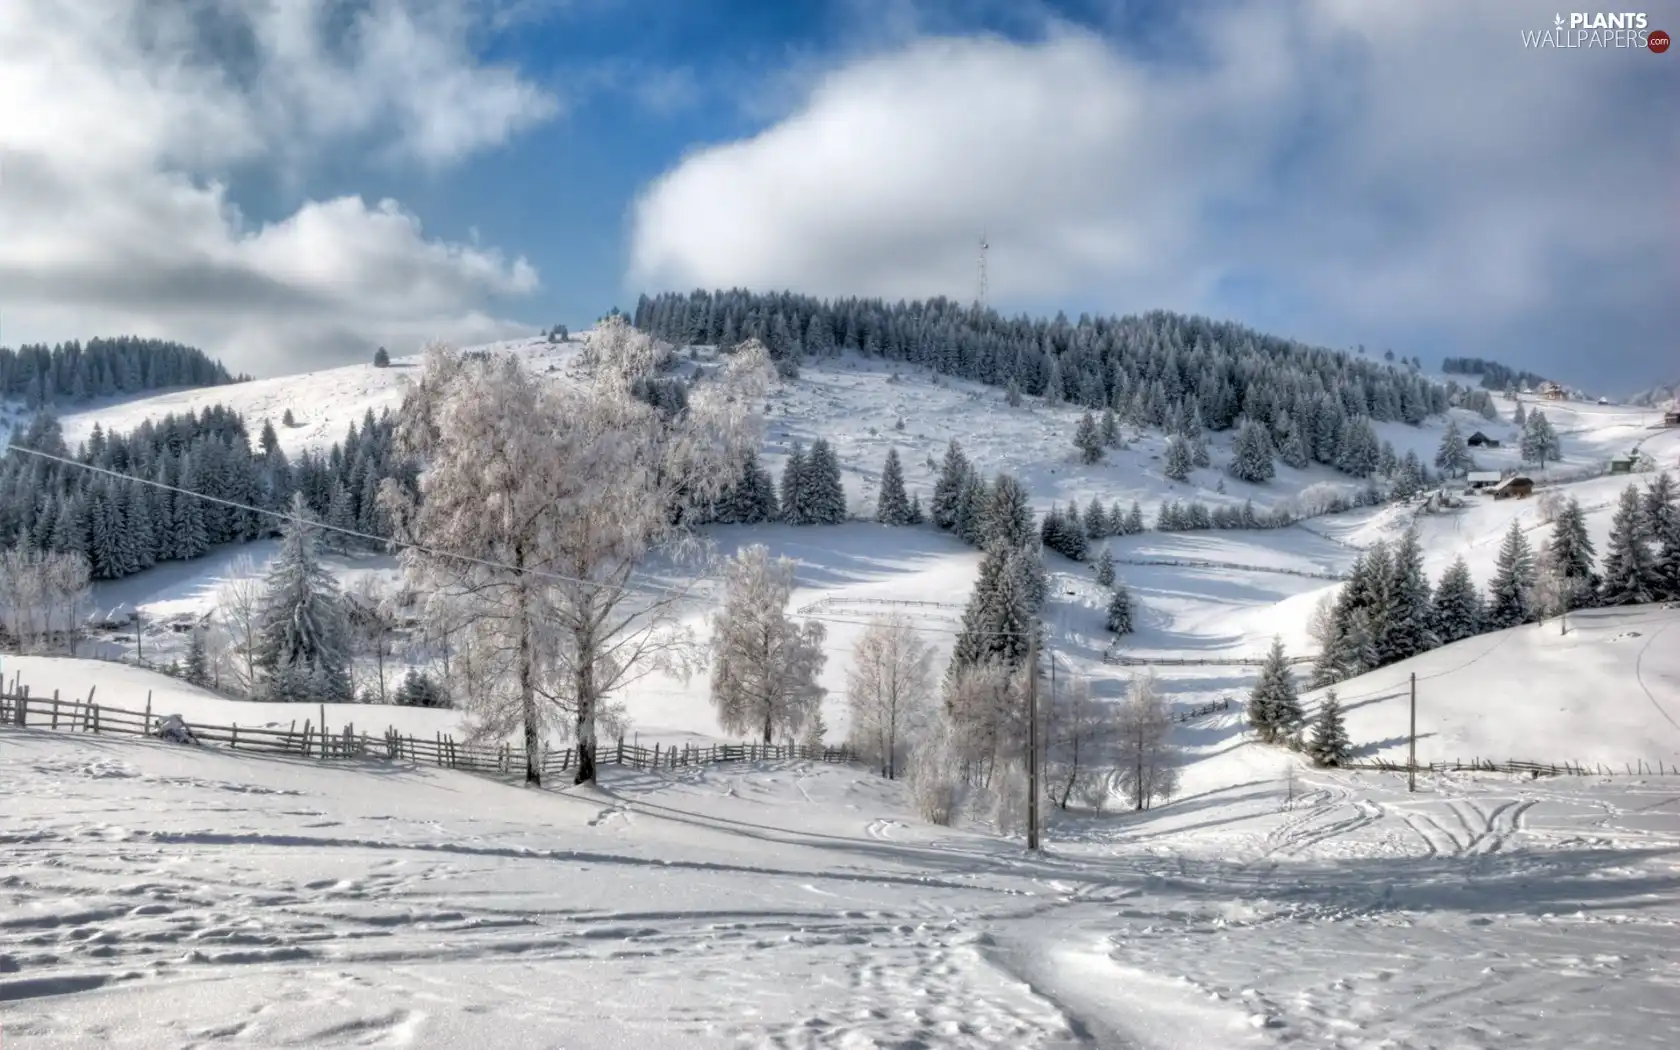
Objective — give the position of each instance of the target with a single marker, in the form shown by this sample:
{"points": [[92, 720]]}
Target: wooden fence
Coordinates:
{"points": [[1112, 657], [1635, 768], [312, 740], [1203, 711]]}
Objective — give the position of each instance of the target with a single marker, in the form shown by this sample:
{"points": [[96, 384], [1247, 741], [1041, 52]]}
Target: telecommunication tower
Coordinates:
{"points": [[983, 247]]}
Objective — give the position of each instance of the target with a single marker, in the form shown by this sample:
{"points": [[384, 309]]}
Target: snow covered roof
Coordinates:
{"points": [[1515, 480], [1477, 476]]}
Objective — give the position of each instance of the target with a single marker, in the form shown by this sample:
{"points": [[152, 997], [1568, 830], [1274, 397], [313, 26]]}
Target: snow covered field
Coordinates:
{"points": [[158, 896]]}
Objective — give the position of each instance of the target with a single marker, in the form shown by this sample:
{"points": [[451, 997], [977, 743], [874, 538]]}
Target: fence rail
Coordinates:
{"points": [[1202, 711], [1199, 563], [313, 740], [1635, 768], [1112, 657]]}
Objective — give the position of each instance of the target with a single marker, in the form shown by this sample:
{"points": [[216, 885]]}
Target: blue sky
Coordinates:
{"points": [[288, 182]]}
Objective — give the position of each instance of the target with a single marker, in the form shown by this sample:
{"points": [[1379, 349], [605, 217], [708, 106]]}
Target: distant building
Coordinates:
{"points": [[1482, 479], [1481, 440], [1622, 464], [1671, 418], [1514, 487], [1551, 391]]}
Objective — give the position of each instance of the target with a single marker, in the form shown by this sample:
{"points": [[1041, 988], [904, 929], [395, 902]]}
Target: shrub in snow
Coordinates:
{"points": [[1329, 745], [935, 778]]}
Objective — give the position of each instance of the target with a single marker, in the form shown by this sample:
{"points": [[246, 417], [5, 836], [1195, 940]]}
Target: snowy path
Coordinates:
{"points": [[153, 896]]}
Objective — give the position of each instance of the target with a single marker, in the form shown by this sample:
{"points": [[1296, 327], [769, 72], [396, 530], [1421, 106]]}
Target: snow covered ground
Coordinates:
{"points": [[161, 896]]}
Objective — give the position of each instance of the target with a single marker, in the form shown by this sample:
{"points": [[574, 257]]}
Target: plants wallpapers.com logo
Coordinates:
{"points": [[1583, 29]]}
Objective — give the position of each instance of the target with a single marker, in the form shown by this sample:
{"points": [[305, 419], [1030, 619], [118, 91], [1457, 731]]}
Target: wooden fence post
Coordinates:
{"points": [[233, 743], [146, 727]]}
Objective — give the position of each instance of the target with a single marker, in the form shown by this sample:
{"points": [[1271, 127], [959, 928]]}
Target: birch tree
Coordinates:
{"points": [[1146, 764], [541, 502], [888, 688], [238, 613], [764, 665]]}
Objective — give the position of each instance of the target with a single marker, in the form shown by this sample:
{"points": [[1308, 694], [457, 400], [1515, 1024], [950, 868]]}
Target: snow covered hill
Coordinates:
{"points": [[1606, 692]]}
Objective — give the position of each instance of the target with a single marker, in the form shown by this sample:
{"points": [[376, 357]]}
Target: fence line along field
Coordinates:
{"points": [[313, 739]]}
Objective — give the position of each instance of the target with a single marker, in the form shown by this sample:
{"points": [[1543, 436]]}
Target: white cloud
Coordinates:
{"points": [[1385, 167], [126, 121]]}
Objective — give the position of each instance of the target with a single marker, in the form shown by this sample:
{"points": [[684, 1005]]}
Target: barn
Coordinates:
{"points": [[1516, 486], [1481, 440], [1482, 479]]}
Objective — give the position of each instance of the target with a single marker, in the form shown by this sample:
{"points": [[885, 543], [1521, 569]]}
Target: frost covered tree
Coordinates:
{"points": [[1064, 533], [1629, 569], [794, 502], [1178, 461], [1328, 744], [1511, 591], [558, 493], [1119, 613], [41, 594], [1570, 557], [1146, 764], [889, 688], [1079, 756], [239, 601], [1660, 510], [1105, 567], [751, 499], [1088, 439], [1452, 455], [998, 620], [197, 667], [1274, 707], [1457, 609], [764, 665], [1408, 627], [1251, 457], [1539, 441], [1134, 519], [1097, 522], [381, 358], [1110, 428], [948, 488], [1007, 518], [302, 637], [892, 506], [824, 496]]}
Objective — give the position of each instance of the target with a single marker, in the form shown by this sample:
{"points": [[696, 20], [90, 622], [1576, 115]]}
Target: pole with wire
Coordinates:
{"points": [[1032, 740], [1411, 763]]}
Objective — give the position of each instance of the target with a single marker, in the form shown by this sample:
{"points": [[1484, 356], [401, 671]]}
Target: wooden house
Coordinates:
{"points": [[1622, 464], [1477, 480], [1517, 486], [1551, 391], [1671, 418], [1481, 440]]}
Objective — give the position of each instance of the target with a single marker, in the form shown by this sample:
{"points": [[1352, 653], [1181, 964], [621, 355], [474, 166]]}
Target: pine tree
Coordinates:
{"points": [[381, 359], [1007, 519], [1088, 439], [198, 668], [1457, 609], [1511, 592], [892, 506], [1120, 609], [1453, 455], [1660, 508], [1329, 744], [1096, 521], [998, 618], [917, 515], [1539, 441], [1408, 618], [1251, 458], [828, 506], [1134, 519], [948, 489], [1629, 568], [1178, 462], [970, 522], [794, 510], [287, 419], [1571, 555], [1274, 707], [1110, 428], [303, 637], [1105, 567]]}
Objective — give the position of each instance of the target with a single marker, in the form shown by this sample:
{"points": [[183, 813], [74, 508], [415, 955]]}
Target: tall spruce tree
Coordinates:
{"points": [[1251, 457], [892, 506], [1007, 519], [1119, 616], [1105, 567], [1511, 591], [1572, 553], [825, 495], [1457, 610], [1178, 462], [302, 642], [1660, 507], [1274, 707], [1088, 440], [1629, 568], [794, 509], [948, 489], [1408, 619], [1453, 455], [1329, 744]]}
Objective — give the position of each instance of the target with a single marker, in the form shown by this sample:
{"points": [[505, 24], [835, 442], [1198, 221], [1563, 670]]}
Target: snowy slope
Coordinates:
{"points": [[155, 897], [1607, 692]]}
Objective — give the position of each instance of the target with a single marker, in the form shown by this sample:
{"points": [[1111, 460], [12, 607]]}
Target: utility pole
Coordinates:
{"points": [[1032, 740], [983, 247], [1411, 766]]}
